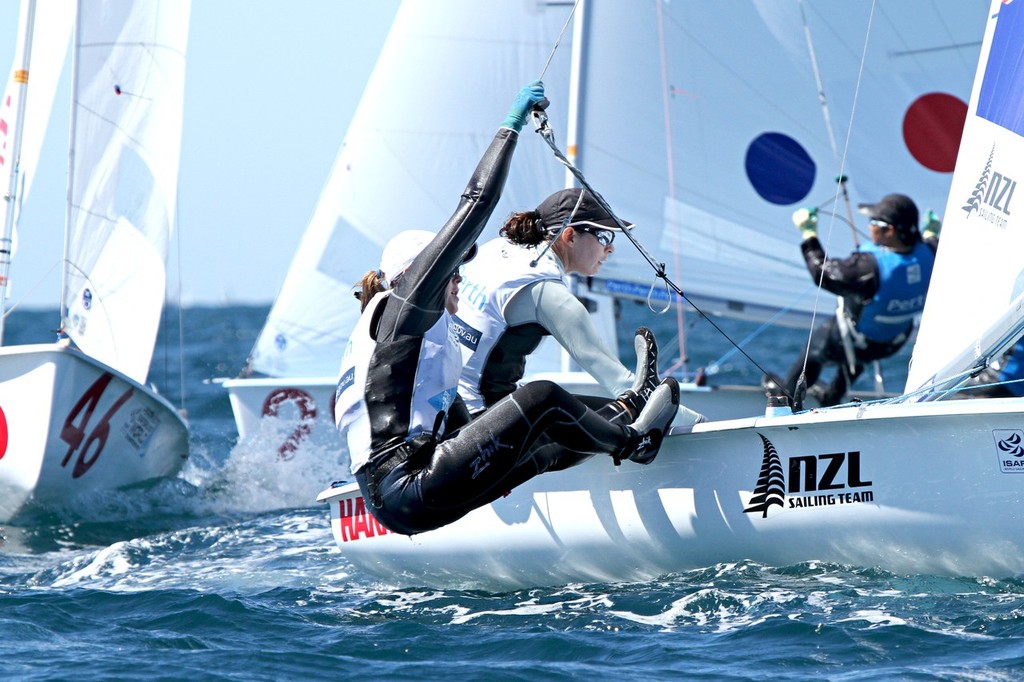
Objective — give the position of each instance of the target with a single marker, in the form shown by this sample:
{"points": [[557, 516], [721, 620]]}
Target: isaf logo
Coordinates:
{"points": [[808, 481], [1010, 450]]}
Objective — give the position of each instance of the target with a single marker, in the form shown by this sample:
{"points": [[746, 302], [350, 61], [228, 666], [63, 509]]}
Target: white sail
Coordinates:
{"points": [[127, 116], [49, 52], [975, 304], [707, 132], [406, 158]]}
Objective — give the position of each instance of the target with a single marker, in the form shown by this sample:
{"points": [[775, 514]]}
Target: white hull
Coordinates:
{"points": [[927, 487], [70, 425]]}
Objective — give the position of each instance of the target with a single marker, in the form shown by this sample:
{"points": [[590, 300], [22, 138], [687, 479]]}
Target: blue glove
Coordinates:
{"points": [[932, 226], [806, 220], [529, 96]]}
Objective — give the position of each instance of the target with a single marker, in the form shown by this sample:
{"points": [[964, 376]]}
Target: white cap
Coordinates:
{"points": [[400, 251]]}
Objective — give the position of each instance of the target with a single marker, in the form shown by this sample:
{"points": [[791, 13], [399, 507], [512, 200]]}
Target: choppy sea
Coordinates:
{"points": [[229, 572]]}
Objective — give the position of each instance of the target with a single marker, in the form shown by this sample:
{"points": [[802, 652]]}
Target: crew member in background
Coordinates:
{"points": [[882, 287]]}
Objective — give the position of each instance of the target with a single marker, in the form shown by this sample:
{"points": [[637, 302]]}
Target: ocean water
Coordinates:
{"points": [[229, 572]]}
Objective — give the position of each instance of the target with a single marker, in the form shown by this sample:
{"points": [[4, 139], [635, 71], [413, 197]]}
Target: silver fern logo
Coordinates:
{"points": [[806, 481], [992, 195], [771, 484]]}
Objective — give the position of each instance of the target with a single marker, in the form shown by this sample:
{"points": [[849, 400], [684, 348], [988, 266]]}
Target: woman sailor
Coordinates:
{"points": [[514, 293], [419, 467]]}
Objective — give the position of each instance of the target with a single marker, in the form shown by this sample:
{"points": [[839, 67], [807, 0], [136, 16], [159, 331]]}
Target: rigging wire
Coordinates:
{"points": [[840, 179], [670, 163], [801, 385], [542, 126], [558, 40]]}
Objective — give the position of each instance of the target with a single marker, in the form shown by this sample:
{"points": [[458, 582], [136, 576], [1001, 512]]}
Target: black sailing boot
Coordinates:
{"points": [[635, 397], [654, 421]]}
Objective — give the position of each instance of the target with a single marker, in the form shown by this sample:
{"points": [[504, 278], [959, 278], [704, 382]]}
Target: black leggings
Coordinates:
{"points": [[539, 427], [826, 347]]}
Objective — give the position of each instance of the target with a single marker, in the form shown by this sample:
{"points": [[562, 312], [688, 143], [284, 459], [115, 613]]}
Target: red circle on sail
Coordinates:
{"points": [[932, 128], [3, 433]]}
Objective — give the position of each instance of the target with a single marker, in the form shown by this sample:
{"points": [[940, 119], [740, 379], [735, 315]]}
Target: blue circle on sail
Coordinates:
{"points": [[779, 168]]}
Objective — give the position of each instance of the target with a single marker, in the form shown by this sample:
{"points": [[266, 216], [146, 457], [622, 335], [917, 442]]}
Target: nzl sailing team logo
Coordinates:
{"points": [[1010, 450], [808, 481], [991, 197]]}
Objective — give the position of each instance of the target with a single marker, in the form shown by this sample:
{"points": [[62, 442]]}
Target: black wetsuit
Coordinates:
{"points": [[856, 279], [417, 484]]}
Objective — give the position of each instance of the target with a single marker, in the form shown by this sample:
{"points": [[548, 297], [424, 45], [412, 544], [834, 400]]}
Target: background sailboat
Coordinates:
{"points": [[704, 126], [76, 416]]}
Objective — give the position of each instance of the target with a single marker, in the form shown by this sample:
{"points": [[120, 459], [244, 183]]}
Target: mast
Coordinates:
{"points": [[66, 259], [572, 127], [17, 92]]}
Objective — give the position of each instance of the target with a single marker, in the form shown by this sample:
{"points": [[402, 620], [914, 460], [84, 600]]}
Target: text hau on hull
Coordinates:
{"points": [[711, 192], [866, 484], [76, 416]]}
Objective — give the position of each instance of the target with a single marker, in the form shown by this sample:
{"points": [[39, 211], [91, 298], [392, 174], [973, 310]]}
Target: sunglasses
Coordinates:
{"points": [[603, 237], [879, 223]]}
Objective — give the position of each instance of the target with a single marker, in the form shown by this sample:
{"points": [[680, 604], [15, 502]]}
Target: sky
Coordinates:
{"points": [[270, 89]]}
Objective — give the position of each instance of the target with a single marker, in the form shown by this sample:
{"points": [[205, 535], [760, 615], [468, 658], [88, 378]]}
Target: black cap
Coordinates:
{"points": [[898, 210], [559, 205]]}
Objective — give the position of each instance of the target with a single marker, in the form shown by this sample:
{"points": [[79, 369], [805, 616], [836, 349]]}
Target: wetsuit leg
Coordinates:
{"points": [[612, 410], [539, 427], [816, 353], [836, 390]]}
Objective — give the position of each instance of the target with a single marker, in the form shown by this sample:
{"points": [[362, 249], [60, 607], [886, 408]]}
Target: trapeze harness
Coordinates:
{"points": [[397, 378], [506, 308], [493, 352]]}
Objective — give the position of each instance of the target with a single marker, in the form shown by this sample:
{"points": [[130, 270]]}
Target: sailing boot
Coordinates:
{"points": [[635, 397], [654, 421]]}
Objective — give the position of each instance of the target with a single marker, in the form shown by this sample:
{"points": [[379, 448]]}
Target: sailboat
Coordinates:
{"points": [[709, 147], [76, 416], [919, 483]]}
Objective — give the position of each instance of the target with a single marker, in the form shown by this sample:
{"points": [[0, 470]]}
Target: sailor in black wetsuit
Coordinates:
{"points": [[418, 464], [882, 287]]}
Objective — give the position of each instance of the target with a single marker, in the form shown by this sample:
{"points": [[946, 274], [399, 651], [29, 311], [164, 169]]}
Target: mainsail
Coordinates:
{"points": [[126, 132], [704, 125], [405, 160], [975, 306], [20, 149]]}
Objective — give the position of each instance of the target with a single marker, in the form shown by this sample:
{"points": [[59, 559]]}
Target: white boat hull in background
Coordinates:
{"points": [[70, 425], [300, 407], [917, 488]]}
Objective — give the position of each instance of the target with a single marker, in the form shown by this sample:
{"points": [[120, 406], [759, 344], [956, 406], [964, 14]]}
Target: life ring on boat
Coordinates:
{"points": [[306, 407]]}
